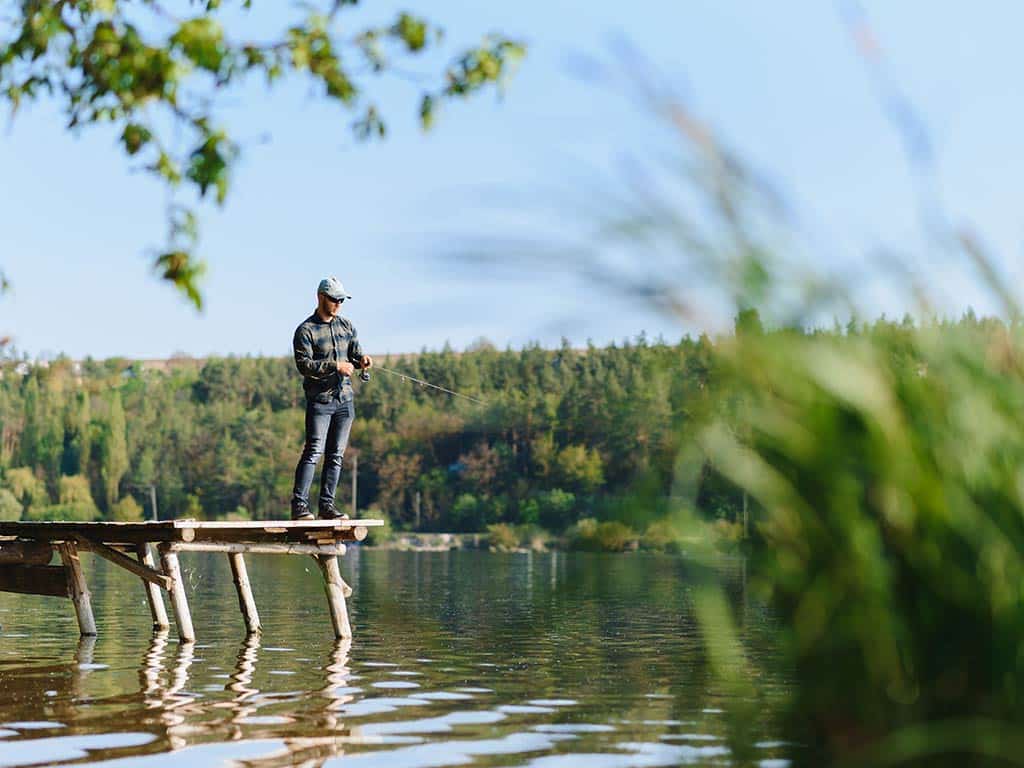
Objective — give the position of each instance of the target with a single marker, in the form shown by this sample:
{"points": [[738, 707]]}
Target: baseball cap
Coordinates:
{"points": [[332, 287]]}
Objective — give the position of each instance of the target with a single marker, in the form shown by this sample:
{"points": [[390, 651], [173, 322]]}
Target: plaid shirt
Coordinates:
{"points": [[319, 346]]}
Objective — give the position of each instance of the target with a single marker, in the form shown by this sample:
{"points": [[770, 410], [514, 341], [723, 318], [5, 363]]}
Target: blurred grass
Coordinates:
{"points": [[884, 462]]}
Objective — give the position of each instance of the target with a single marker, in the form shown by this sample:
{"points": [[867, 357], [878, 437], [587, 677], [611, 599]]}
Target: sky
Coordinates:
{"points": [[781, 82]]}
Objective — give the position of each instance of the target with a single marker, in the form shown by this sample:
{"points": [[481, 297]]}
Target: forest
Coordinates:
{"points": [[562, 436]]}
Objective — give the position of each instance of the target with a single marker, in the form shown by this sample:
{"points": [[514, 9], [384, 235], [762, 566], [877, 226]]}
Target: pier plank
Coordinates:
{"points": [[26, 545], [25, 553]]}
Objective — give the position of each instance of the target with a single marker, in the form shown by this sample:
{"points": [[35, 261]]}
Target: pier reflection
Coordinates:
{"points": [[449, 666], [333, 737]]}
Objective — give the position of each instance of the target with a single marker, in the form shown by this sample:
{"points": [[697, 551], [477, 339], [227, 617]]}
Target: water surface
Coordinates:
{"points": [[461, 658]]}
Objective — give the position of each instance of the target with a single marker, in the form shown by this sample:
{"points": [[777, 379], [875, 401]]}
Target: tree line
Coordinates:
{"points": [[563, 433]]}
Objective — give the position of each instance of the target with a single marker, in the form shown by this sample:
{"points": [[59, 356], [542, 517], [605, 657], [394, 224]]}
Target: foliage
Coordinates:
{"points": [[886, 470], [661, 536], [502, 537], [75, 494], [76, 513], [10, 507], [113, 452], [380, 534], [215, 435], [609, 536], [26, 486], [158, 78], [126, 510]]}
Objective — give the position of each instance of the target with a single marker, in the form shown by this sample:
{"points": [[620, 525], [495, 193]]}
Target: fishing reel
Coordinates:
{"points": [[364, 375]]}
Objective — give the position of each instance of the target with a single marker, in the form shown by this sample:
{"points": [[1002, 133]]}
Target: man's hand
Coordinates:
{"points": [[345, 368], [366, 362]]}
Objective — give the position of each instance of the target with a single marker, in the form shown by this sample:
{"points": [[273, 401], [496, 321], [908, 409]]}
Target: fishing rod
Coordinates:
{"points": [[365, 376]]}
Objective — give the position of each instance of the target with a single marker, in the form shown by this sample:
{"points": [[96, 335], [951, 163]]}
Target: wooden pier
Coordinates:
{"points": [[26, 549]]}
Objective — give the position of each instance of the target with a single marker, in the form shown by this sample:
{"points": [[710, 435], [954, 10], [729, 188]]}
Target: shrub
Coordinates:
{"points": [[26, 486], [592, 536], [465, 513], [238, 514], [502, 537], [727, 535], [533, 537], [662, 536], [126, 510], [380, 534], [72, 513], [582, 534], [10, 507], [75, 493], [555, 509], [614, 536]]}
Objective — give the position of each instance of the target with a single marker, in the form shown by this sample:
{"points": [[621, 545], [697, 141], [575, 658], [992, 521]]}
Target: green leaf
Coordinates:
{"points": [[412, 31], [202, 41], [183, 270], [135, 137], [427, 110]]}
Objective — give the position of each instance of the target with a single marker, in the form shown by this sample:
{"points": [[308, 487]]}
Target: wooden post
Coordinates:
{"points": [[245, 599], [335, 589], [169, 563], [79, 589], [153, 594]]}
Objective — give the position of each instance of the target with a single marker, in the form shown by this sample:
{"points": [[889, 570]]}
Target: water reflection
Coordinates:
{"points": [[458, 658]]}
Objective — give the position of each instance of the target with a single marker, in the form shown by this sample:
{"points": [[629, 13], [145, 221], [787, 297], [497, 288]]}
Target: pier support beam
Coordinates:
{"points": [[78, 588], [335, 588], [245, 599], [153, 594], [169, 563]]}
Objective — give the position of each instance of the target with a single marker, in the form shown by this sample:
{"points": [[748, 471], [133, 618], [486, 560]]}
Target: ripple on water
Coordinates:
{"points": [[441, 724], [524, 709], [379, 705], [442, 696], [430, 677], [574, 728], [436, 754], [51, 750], [33, 725], [553, 702], [634, 754]]}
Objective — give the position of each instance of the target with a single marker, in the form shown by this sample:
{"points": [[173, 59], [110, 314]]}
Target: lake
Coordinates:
{"points": [[459, 658]]}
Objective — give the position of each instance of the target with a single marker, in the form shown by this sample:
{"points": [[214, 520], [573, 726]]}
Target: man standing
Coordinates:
{"points": [[327, 352]]}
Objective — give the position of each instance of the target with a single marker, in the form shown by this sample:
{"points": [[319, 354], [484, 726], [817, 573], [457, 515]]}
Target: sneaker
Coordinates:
{"points": [[331, 513], [301, 513]]}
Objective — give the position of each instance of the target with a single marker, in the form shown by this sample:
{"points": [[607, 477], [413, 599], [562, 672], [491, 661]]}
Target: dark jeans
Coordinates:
{"points": [[327, 429]]}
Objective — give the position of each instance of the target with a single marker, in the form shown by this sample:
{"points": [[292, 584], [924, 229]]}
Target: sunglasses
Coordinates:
{"points": [[334, 300]]}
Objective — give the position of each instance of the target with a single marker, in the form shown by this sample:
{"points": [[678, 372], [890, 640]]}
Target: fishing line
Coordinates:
{"points": [[422, 383]]}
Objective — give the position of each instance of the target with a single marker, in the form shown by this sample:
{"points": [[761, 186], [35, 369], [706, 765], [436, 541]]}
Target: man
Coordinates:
{"points": [[327, 352]]}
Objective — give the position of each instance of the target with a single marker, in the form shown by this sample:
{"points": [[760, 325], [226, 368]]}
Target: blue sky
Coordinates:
{"points": [[781, 82]]}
